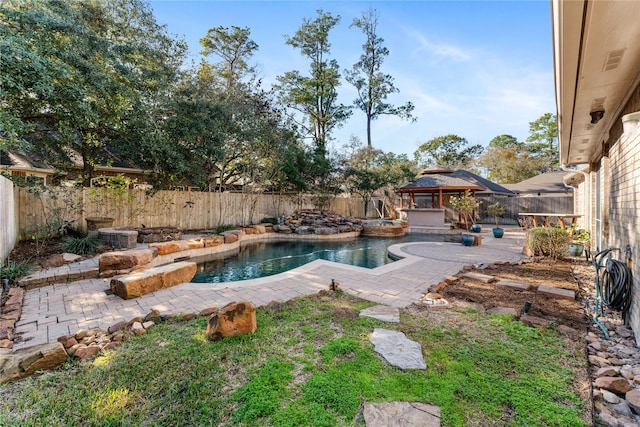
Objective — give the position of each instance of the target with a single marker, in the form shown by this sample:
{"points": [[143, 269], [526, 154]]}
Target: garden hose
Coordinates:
{"points": [[613, 285]]}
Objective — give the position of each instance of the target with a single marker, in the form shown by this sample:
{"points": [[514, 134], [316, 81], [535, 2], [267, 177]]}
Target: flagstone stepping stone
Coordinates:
{"points": [[382, 312], [401, 414], [479, 277], [557, 292], [397, 349], [521, 286]]}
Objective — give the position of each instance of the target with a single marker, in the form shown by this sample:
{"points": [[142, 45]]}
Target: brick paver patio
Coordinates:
{"points": [[64, 308]]}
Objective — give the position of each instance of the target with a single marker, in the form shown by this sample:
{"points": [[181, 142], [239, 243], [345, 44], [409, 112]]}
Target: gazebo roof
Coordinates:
{"points": [[435, 169], [491, 187], [440, 181]]}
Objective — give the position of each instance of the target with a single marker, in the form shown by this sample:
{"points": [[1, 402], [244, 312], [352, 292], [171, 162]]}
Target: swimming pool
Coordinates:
{"points": [[261, 259]]}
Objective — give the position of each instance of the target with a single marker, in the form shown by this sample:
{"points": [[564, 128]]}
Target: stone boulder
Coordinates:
{"points": [[166, 248], [122, 260], [324, 231], [400, 414], [26, 361], [55, 260], [284, 229], [153, 279], [212, 241], [195, 243], [235, 318], [305, 229], [158, 234], [230, 236], [633, 399], [616, 385]]}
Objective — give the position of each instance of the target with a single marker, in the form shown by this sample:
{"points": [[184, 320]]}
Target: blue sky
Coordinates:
{"points": [[472, 68]]}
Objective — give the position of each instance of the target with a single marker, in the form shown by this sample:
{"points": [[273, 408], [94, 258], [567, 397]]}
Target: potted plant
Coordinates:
{"points": [[496, 210], [580, 240], [464, 206]]}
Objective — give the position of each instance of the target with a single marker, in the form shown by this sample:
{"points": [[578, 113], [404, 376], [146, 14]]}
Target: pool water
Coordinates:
{"points": [[261, 259]]}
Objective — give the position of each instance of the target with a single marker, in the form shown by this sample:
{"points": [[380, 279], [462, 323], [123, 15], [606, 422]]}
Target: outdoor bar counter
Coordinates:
{"points": [[429, 217]]}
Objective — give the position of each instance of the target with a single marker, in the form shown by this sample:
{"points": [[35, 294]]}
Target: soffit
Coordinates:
{"points": [[597, 61]]}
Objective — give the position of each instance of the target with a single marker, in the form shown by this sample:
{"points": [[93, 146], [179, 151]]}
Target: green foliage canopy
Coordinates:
{"points": [[450, 151], [73, 72]]}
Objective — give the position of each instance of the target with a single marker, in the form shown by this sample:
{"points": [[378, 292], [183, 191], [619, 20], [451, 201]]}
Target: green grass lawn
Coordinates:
{"points": [[309, 364]]}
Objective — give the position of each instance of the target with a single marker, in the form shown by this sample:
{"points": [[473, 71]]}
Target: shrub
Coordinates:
{"points": [[465, 205], [14, 271], [548, 241], [82, 245], [224, 227], [269, 220]]}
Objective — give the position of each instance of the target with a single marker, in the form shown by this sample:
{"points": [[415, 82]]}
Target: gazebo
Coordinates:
{"points": [[423, 201]]}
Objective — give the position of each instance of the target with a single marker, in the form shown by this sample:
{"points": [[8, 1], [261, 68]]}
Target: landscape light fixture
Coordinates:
{"points": [[596, 116]]}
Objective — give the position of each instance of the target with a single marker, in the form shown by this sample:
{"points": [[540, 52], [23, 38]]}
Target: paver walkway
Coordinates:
{"points": [[64, 308]]}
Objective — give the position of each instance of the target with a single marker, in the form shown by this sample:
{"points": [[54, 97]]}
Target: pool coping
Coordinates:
{"points": [[401, 260]]}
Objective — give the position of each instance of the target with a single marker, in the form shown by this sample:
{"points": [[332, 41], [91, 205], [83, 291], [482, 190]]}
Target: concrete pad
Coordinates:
{"points": [[479, 277], [382, 312], [397, 349], [521, 286], [401, 414], [557, 292]]}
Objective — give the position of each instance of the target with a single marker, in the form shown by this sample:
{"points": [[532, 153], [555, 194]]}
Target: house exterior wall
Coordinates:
{"points": [[624, 210], [8, 219]]}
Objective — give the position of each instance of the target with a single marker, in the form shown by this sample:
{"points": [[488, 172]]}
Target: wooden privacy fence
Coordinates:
{"points": [[522, 204], [49, 210]]}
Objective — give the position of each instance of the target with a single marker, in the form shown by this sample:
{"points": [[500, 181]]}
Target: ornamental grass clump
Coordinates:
{"points": [[14, 270], [81, 245]]}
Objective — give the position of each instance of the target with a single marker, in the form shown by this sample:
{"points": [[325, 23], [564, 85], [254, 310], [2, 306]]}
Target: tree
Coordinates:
{"points": [[367, 170], [218, 142], [504, 141], [450, 151], [73, 73], [543, 140], [510, 164], [372, 85], [315, 96], [235, 47]]}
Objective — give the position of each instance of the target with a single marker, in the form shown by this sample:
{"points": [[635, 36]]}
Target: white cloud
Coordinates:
{"points": [[441, 50]]}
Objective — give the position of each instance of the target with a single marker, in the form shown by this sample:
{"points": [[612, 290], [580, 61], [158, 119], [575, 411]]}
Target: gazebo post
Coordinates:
{"points": [[440, 198], [473, 194]]}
